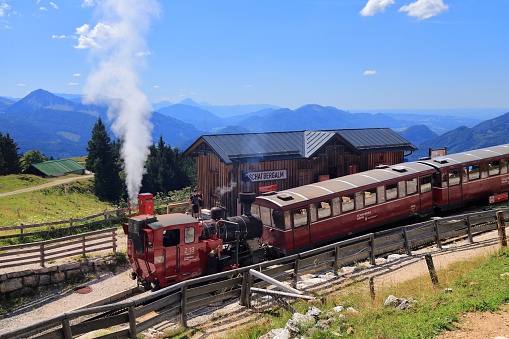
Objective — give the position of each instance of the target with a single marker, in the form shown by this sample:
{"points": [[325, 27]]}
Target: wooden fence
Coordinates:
{"points": [[178, 300], [65, 247]]}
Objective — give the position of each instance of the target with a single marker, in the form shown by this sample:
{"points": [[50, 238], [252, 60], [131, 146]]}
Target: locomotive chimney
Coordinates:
{"points": [[246, 197], [145, 203]]}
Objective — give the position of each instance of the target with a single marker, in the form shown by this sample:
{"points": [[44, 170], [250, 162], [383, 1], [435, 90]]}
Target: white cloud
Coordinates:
{"points": [[369, 72], [375, 6], [88, 38], [87, 3], [156, 86], [54, 5], [4, 6], [72, 83], [21, 85], [141, 54], [43, 8], [54, 36], [76, 75], [424, 9]]}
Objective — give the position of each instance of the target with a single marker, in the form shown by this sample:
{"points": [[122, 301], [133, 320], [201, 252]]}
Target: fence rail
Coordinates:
{"points": [[178, 300]]}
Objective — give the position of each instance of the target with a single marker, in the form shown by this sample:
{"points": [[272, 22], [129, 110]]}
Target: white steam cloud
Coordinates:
{"points": [[115, 43]]}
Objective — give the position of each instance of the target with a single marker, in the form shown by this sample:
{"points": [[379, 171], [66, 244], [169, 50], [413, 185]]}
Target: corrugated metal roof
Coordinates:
{"points": [[375, 139], [299, 144], [58, 167]]}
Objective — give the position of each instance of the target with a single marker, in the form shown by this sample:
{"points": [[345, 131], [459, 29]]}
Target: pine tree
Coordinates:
{"points": [[11, 159], [32, 157], [103, 161]]}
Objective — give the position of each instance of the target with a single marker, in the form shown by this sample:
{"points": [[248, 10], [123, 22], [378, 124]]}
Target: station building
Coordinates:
{"points": [[227, 164]]}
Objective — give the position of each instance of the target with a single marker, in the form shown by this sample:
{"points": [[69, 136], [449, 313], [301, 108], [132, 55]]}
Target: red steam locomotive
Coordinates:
{"points": [[166, 249]]}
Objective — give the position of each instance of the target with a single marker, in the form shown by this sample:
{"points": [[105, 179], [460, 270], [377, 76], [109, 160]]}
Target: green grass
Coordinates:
{"points": [[62, 202], [477, 287]]}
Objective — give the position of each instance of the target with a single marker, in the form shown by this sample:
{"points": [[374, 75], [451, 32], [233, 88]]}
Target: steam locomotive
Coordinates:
{"points": [[166, 249]]}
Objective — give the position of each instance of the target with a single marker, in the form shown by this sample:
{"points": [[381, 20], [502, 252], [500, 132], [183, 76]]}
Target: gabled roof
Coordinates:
{"points": [[369, 140], [58, 167], [299, 144]]}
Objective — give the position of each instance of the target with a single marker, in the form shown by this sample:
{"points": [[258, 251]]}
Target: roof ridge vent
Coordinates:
{"points": [[400, 169], [284, 196], [382, 166], [441, 161]]}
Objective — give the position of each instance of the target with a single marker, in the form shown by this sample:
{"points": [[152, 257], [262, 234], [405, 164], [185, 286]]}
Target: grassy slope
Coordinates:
{"points": [[62, 202]]}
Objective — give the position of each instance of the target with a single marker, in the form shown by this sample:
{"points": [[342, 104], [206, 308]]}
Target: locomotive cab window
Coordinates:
{"points": [[300, 217], [347, 203], [494, 168], [189, 235], [171, 238]]}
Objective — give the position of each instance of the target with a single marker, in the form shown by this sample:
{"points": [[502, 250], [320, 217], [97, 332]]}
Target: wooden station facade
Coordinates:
{"points": [[228, 164]]}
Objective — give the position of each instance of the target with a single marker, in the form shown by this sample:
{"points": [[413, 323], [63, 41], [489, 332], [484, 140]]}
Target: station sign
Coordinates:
{"points": [[267, 175]]}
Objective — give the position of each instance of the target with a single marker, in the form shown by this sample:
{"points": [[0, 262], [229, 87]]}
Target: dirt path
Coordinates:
{"points": [[49, 184]]}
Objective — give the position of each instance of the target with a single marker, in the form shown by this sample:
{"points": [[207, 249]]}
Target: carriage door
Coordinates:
{"points": [[455, 191], [301, 234], [171, 239]]}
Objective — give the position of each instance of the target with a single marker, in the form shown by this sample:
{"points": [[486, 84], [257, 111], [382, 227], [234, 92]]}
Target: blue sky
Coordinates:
{"points": [[350, 54]]}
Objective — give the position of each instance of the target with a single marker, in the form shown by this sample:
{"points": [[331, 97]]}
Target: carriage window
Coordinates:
{"points": [[324, 210], [300, 217], [171, 238], [347, 203], [189, 235], [278, 219], [494, 168], [313, 212], [391, 191], [359, 200], [380, 192], [265, 216], [444, 180], [484, 170], [474, 172], [255, 211], [454, 178], [425, 184], [370, 197], [288, 220], [401, 189], [336, 206], [411, 186], [503, 166]]}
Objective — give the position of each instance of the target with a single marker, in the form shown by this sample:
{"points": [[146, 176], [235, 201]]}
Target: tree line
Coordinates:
{"points": [[166, 169]]}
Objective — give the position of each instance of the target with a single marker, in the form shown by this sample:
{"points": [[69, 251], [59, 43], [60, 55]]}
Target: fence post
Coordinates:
{"points": [[183, 307], [502, 240], [114, 240], [105, 215], [372, 260], [66, 328], [371, 288], [70, 227], [408, 249], [243, 289], [437, 232], [335, 266], [132, 323], [431, 269], [469, 230], [41, 250], [21, 231], [295, 273], [83, 247]]}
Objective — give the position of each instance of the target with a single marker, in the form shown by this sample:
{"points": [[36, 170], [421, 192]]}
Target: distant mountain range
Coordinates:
{"points": [[60, 125]]}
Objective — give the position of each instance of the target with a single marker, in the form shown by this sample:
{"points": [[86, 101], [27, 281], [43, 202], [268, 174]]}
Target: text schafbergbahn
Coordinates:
{"points": [[267, 175]]}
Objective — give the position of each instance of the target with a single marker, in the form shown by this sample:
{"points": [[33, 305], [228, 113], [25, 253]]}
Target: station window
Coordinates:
{"points": [[391, 191], [425, 184], [370, 197], [300, 217], [347, 203], [171, 238], [454, 177], [336, 206], [474, 172], [189, 235], [411, 186], [494, 168]]}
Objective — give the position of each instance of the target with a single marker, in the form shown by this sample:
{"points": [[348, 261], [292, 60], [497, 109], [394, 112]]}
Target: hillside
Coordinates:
{"points": [[488, 133], [418, 134]]}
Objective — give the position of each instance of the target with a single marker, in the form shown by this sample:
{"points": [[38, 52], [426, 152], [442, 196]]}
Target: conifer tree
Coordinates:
{"points": [[10, 158], [102, 160]]}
